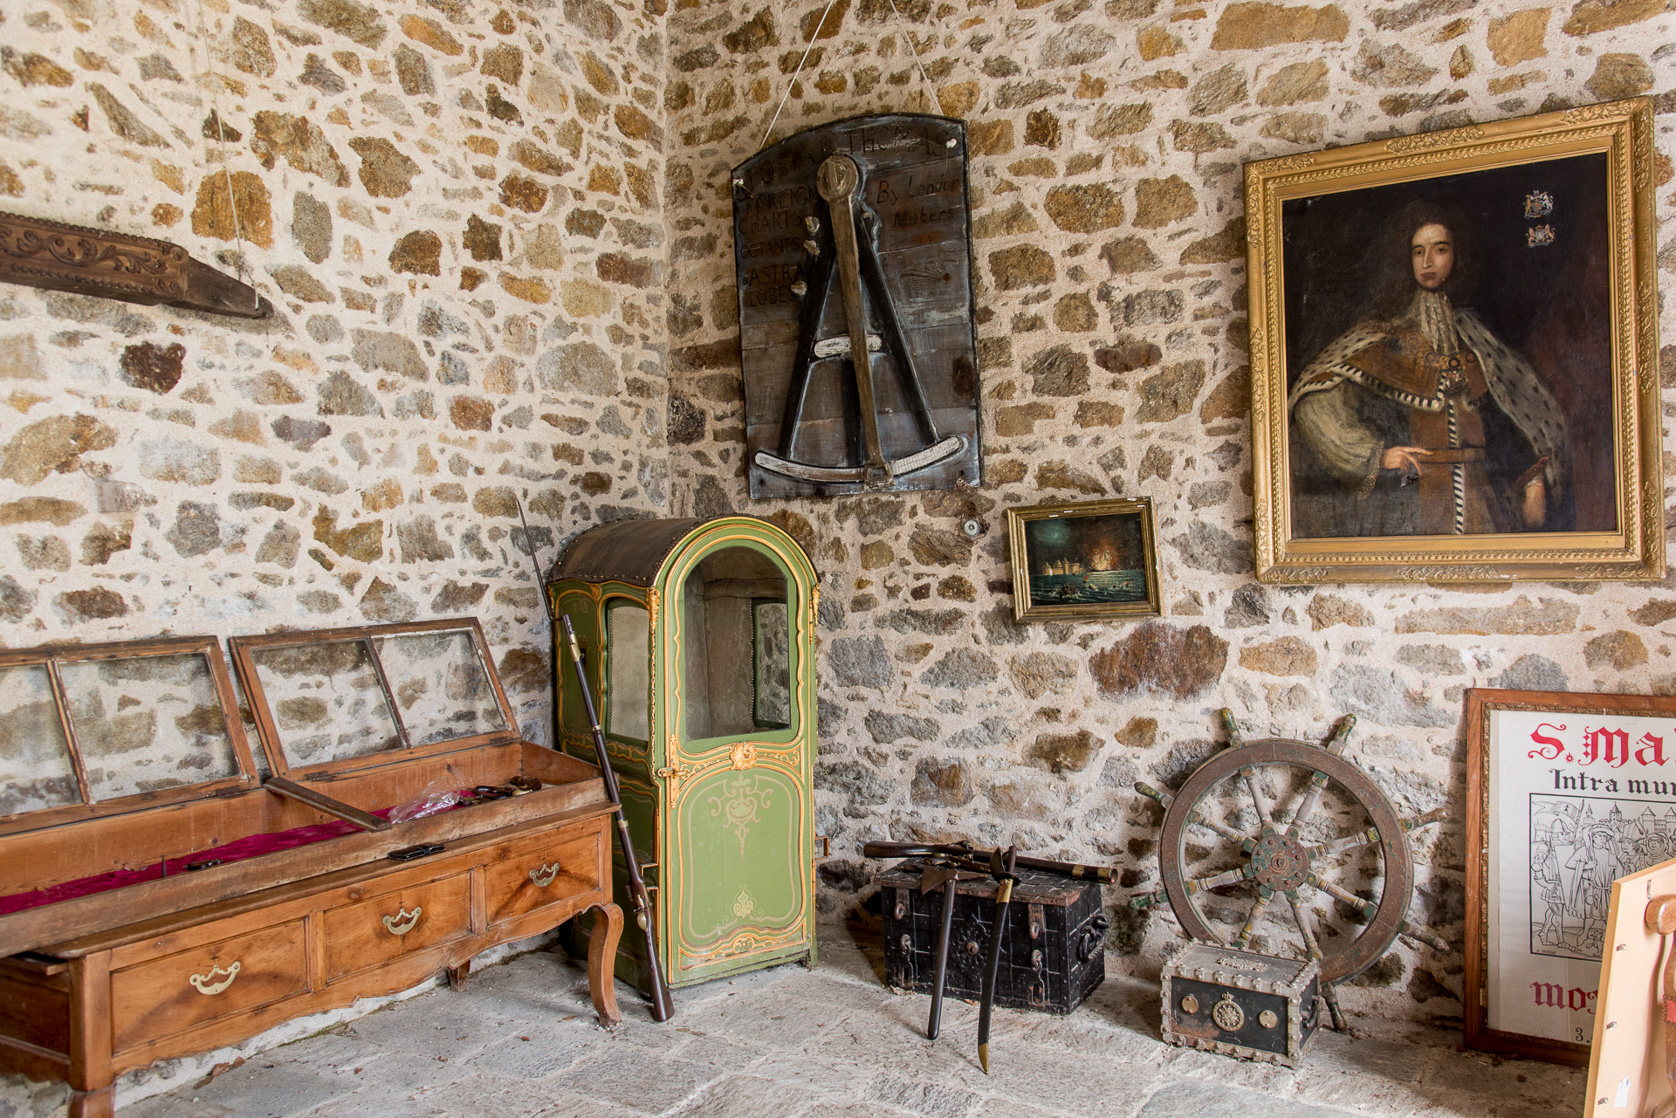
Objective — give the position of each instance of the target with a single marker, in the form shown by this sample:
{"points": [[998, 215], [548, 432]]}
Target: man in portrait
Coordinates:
{"points": [[1419, 419]]}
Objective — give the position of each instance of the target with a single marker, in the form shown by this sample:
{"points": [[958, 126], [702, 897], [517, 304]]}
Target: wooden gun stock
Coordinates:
{"points": [[663, 1007]]}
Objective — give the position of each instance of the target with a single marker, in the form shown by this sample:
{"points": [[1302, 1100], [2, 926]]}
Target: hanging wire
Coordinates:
{"points": [[817, 32], [907, 34], [221, 137]]}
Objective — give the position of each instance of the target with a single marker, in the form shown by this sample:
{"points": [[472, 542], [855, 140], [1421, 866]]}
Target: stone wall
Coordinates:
{"points": [[1106, 144], [455, 209], [481, 228]]}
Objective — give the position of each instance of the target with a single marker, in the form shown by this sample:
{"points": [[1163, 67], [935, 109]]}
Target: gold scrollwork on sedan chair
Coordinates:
{"points": [[737, 806]]}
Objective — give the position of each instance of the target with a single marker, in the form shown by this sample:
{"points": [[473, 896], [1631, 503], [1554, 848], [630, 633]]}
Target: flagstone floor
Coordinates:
{"points": [[832, 1042]]}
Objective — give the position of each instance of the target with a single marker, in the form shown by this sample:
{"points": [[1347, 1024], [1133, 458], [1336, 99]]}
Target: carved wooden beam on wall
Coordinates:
{"points": [[60, 257]]}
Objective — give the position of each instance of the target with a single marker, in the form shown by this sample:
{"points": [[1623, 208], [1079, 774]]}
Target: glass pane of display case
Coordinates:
{"points": [[773, 665], [628, 666], [440, 685], [146, 723], [723, 672], [326, 700], [35, 767]]}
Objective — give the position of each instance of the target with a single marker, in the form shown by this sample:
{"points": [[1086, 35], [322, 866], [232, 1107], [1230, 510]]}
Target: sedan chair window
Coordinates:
{"points": [[628, 665], [734, 643]]}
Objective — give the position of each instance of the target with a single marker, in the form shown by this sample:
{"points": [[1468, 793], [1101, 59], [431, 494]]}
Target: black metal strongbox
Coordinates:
{"points": [[1053, 952]]}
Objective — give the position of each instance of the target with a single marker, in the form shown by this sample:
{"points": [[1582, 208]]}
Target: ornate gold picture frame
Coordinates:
{"points": [[1088, 559], [1454, 354]]}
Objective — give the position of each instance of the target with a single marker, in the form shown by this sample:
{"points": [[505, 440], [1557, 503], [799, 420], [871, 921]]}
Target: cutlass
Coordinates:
{"points": [[1001, 867]]}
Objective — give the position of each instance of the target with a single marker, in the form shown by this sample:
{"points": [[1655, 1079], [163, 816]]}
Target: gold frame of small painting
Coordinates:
{"points": [[1065, 560], [1454, 354]]}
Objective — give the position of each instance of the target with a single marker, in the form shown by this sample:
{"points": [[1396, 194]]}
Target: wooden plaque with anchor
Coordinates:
{"points": [[855, 237]]}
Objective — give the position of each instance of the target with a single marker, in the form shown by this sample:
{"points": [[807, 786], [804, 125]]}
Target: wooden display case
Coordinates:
{"points": [[163, 890], [700, 641]]}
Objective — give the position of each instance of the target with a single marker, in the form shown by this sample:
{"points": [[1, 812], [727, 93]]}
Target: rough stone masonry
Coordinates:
{"points": [[498, 240]]}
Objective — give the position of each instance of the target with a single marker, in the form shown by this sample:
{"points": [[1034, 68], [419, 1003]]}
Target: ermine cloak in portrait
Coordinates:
{"points": [[1420, 420]]}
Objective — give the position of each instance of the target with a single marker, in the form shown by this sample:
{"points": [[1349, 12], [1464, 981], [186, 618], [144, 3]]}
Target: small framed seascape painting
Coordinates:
{"points": [[1084, 560]]}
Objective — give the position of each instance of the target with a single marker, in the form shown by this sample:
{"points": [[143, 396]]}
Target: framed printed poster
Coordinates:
{"points": [[1566, 793]]}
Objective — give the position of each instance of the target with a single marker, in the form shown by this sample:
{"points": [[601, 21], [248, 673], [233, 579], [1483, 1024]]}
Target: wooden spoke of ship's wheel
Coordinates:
{"points": [[1222, 829], [1363, 838], [1264, 896], [1229, 877], [1367, 908], [1419, 935], [1263, 816], [1306, 929], [1312, 797], [1318, 782], [1164, 800]]}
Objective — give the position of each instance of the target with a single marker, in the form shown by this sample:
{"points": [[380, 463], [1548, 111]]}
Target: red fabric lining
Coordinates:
{"points": [[251, 846]]}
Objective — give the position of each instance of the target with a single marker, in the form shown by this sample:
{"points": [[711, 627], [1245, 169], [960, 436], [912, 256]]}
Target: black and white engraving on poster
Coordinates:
{"points": [[1577, 799]]}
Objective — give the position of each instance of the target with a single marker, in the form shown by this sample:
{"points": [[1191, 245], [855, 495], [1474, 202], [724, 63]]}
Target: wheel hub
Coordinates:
{"points": [[1280, 863]]}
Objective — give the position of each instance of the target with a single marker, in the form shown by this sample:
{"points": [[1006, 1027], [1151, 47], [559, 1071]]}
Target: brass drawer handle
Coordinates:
{"points": [[403, 921], [544, 875], [206, 984]]}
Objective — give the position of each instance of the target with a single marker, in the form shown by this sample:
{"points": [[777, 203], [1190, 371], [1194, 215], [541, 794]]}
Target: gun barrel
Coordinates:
{"points": [[663, 1006], [1105, 875]]}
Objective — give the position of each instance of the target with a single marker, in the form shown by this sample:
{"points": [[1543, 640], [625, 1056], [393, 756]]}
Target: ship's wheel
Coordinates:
{"points": [[1285, 847]]}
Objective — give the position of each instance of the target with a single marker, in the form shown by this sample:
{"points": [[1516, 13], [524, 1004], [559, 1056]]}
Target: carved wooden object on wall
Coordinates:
{"points": [[855, 237], [60, 257]]}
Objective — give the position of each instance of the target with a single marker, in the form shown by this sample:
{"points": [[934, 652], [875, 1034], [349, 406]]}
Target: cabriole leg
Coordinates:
{"points": [[602, 957]]}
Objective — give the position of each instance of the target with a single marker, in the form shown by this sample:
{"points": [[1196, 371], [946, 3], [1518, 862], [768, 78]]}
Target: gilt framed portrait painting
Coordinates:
{"points": [[1454, 354]]}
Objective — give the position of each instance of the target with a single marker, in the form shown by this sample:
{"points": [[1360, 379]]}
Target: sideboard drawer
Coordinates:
{"points": [[555, 867], [390, 925], [176, 992]]}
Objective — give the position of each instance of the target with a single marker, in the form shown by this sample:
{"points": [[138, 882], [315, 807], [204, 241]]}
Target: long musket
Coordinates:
{"points": [[663, 1007], [1105, 875]]}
